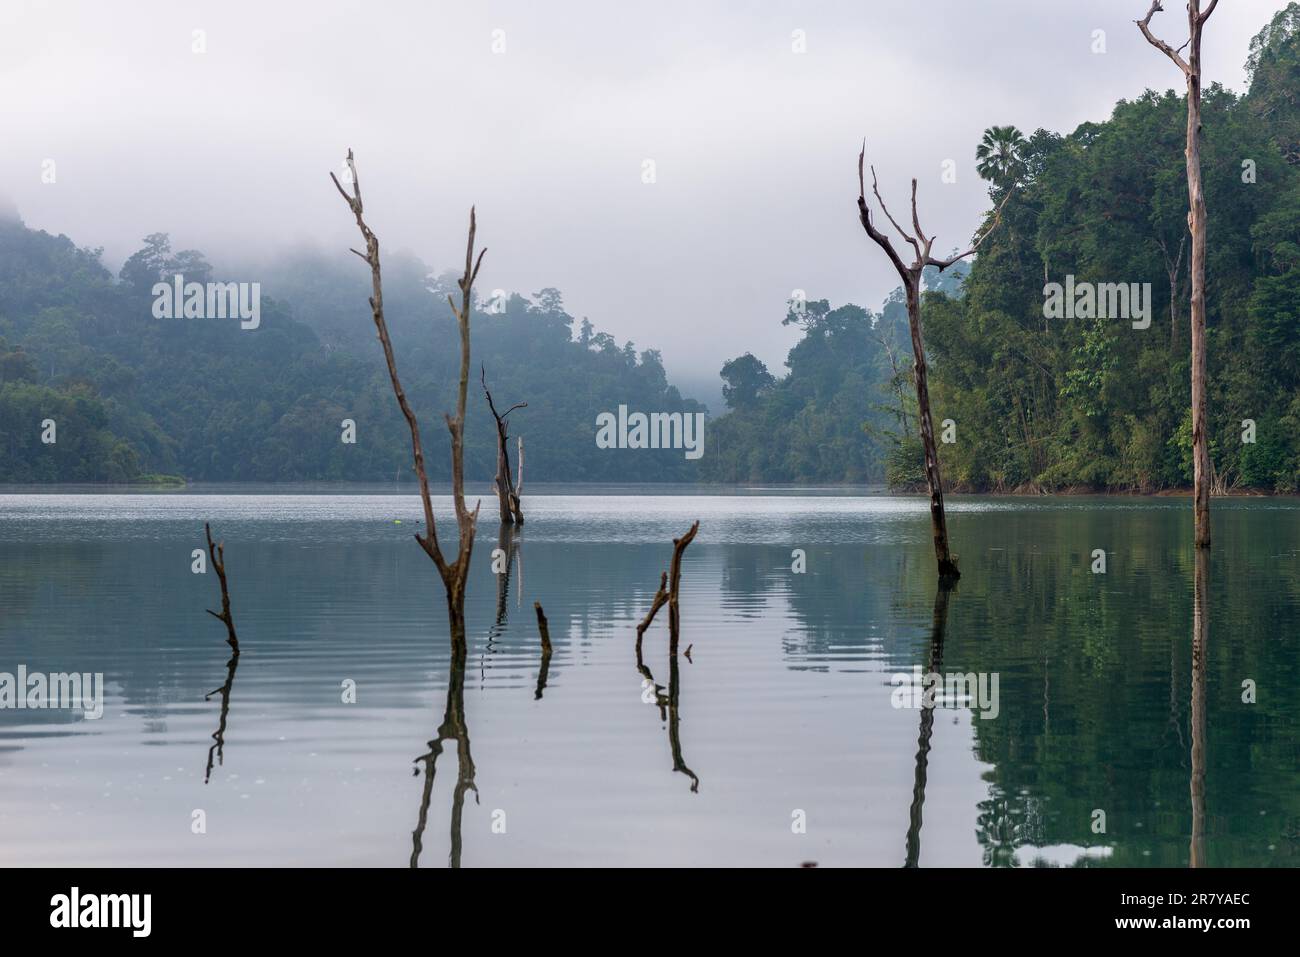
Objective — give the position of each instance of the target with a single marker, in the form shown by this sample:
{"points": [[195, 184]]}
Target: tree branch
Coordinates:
{"points": [[660, 599], [875, 188], [864, 215], [943, 264], [429, 541], [1145, 26]]}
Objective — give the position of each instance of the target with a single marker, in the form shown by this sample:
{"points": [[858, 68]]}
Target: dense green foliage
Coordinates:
{"points": [[1095, 402], [1038, 403], [1083, 402], [836, 417], [206, 399]]}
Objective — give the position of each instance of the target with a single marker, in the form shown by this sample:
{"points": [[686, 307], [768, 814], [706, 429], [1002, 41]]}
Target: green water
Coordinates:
{"points": [[777, 742]]}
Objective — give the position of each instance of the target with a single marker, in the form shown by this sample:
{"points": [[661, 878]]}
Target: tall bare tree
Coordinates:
{"points": [[911, 277], [1191, 67], [507, 492], [454, 573]]}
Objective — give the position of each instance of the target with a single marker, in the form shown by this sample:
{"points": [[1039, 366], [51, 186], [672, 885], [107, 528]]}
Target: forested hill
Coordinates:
{"points": [[132, 394], [1084, 402], [1037, 399], [1094, 402]]}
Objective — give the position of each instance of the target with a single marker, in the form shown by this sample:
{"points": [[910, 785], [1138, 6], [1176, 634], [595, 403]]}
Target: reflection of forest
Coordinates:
{"points": [[1096, 670], [1109, 699], [1103, 707]]}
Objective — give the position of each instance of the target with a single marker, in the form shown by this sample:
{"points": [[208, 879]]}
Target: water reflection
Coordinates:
{"points": [[934, 665], [217, 559], [1200, 642], [453, 728], [1102, 704], [544, 632], [219, 736], [503, 561], [669, 708]]}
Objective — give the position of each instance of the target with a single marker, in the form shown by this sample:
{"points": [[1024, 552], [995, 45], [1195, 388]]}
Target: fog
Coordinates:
{"points": [[754, 145]]}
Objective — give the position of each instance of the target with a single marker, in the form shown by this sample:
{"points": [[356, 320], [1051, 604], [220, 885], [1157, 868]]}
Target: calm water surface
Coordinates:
{"points": [[783, 714]]}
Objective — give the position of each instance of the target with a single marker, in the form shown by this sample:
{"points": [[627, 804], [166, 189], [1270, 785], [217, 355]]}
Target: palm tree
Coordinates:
{"points": [[999, 155]]}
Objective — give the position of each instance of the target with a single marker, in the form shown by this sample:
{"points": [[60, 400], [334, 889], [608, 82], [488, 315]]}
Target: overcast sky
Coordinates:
{"points": [[754, 145]]}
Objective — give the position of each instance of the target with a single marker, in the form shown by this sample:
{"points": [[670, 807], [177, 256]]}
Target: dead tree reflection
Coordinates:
{"points": [[453, 728], [544, 630], [508, 544], [938, 627], [217, 559], [1200, 643], [218, 749]]}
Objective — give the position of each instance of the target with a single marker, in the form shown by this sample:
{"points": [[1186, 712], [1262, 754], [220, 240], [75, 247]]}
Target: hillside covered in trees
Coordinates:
{"points": [[1086, 402], [1036, 402], [202, 398]]}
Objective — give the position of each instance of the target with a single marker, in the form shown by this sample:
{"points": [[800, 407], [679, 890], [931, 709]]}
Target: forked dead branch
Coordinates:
{"points": [[454, 573], [669, 587]]}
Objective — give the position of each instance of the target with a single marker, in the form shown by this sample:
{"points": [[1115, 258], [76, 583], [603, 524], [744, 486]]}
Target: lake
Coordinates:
{"points": [[779, 741]]}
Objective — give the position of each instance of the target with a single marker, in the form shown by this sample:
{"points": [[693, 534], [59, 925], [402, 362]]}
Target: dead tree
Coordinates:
{"points": [[911, 277], [1191, 68], [669, 586], [507, 492], [217, 559], [454, 573]]}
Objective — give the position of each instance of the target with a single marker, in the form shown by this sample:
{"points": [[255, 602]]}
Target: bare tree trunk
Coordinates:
{"points": [[933, 476], [454, 573], [674, 586], [507, 493], [217, 559], [911, 277], [1196, 222]]}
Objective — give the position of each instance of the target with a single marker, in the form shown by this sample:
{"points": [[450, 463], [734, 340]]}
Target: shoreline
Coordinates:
{"points": [[544, 489]]}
